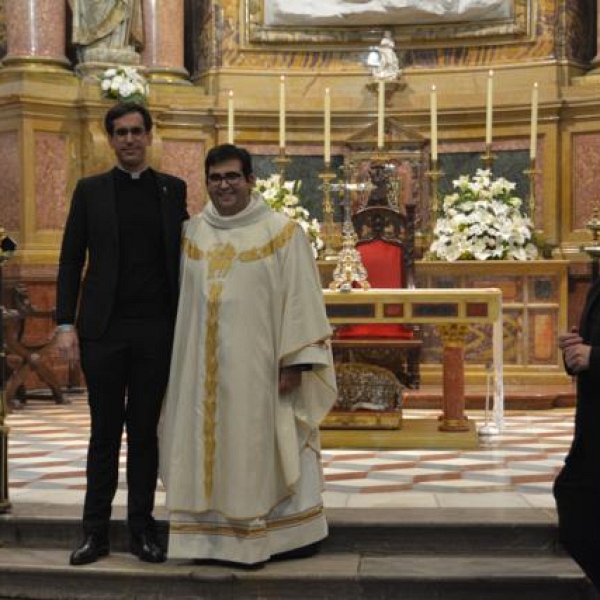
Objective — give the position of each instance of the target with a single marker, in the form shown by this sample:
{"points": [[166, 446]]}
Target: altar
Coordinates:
{"points": [[453, 312]]}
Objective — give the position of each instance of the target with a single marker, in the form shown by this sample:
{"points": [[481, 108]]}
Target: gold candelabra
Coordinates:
{"points": [[327, 177], [7, 249]]}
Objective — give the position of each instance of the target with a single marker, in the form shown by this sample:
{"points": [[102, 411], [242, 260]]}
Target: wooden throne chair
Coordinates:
{"points": [[386, 245]]}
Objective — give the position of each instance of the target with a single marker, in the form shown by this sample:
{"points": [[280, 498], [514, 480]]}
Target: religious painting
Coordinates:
{"points": [[409, 21]]}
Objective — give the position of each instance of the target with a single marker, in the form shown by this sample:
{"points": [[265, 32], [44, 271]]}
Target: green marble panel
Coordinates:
{"points": [[509, 164], [305, 169]]}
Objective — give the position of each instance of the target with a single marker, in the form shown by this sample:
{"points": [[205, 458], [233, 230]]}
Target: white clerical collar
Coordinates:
{"points": [[134, 174]]}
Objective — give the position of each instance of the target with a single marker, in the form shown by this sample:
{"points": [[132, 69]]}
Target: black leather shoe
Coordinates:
{"points": [[91, 549], [146, 547]]}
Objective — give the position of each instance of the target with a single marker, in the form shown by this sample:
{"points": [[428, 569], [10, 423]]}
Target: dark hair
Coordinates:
{"points": [[224, 152], [125, 108]]}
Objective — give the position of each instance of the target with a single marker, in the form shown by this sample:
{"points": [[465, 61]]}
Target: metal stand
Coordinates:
{"points": [[282, 161], [7, 248], [488, 428]]}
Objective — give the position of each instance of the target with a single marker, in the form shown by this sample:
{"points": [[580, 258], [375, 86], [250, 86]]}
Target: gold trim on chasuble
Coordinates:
{"points": [[220, 258], [244, 528]]}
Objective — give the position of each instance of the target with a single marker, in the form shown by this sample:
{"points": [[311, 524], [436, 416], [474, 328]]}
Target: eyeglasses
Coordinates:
{"points": [[231, 177], [135, 132]]}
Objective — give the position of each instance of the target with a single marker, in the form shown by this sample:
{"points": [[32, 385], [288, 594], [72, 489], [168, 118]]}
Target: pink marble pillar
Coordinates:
{"points": [[453, 417], [163, 40], [35, 33]]}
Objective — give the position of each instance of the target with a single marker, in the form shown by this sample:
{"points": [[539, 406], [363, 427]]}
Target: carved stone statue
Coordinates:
{"points": [[109, 31], [389, 66]]}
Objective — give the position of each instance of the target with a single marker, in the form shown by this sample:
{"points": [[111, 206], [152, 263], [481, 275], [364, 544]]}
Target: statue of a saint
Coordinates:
{"points": [[389, 66], [108, 30]]}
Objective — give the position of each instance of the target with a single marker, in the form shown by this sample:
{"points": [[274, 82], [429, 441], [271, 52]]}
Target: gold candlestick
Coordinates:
{"points": [[532, 173], [327, 176], [593, 251], [488, 157], [281, 161], [434, 174]]}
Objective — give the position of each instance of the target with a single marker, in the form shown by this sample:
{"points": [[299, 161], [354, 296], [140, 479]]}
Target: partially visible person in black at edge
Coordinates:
{"points": [[577, 487], [127, 222]]}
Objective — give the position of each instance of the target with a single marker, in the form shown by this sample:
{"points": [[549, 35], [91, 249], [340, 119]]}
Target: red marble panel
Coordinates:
{"points": [[10, 181], [50, 180], [586, 176], [185, 158]]}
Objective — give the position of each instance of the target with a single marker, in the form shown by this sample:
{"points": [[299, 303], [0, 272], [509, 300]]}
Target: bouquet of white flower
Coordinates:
{"points": [[283, 198], [124, 84], [482, 220]]}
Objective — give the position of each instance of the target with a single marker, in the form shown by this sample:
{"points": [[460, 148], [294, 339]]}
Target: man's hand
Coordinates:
{"points": [[569, 339], [67, 345], [577, 357], [289, 379]]}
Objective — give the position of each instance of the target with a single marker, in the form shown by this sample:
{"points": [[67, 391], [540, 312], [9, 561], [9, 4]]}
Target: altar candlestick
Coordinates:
{"points": [[327, 132], [534, 119], [434, 133], [488, 112], [380, 113], [230, 118], [282, 112]]}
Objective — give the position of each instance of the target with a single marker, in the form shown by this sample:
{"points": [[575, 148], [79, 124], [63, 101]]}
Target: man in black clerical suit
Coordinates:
{"points": [[577, 487], [126, 224]]}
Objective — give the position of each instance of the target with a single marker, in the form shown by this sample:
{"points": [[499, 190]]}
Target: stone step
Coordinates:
{"points": [[411, 554], [37, 574], [511, 532]]}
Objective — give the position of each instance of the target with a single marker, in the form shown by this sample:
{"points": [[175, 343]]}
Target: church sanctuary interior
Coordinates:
{"points": [[383, 120]]}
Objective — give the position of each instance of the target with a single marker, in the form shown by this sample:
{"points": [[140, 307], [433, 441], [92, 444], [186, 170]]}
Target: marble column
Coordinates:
{"points": [[453, 364], [163, 40], [596, 60], [36, 34]]}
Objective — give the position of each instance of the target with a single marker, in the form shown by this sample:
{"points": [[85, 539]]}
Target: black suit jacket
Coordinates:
{"points": [[583, 461], [91, 233]]}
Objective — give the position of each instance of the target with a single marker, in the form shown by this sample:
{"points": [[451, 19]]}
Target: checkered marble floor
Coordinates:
{"points": [[47, 451]]}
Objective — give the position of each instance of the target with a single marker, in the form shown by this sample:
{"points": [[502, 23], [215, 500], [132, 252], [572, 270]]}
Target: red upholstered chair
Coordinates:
{"points": [[386, 245]]}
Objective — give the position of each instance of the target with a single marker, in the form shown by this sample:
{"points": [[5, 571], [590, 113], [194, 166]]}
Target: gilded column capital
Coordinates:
{"points": [[453, 334]]}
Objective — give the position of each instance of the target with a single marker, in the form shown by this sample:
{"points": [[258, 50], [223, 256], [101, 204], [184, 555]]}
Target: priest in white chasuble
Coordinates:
{"points": [[251, 379]]}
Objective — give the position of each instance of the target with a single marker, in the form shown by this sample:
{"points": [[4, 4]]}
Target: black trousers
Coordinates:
{"points": [[126, 372], [578, 507]]}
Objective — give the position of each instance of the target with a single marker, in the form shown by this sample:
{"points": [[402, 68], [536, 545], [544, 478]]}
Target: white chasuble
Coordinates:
{"points": [[240, 462]]}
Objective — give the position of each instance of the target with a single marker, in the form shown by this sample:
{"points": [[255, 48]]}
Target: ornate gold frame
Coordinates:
{"points": [[513, 30]]}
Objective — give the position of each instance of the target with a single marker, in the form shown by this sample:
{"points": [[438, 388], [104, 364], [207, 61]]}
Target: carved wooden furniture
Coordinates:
{"points": [[24, 357], [386, 245]]}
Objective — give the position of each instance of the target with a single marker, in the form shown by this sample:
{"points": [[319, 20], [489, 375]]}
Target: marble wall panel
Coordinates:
{"points": [[185, 159], [50, 171], [10, 181], [3, 28], [586, 177]]}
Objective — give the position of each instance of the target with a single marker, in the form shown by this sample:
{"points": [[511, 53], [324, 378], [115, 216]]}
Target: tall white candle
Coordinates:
{"points": [[230, 118], [534, 120], [327, 125], [434, 133], [282, 112], [380, 112], [488, 109]]}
